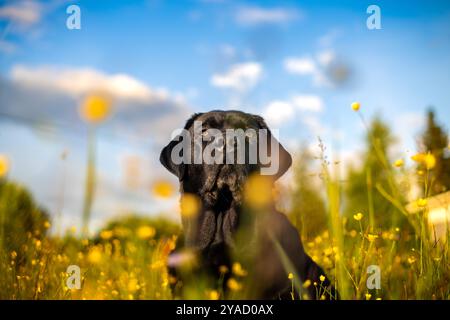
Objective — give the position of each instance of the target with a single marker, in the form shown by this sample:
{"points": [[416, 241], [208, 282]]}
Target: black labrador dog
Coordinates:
{"points": [[226, 229]]}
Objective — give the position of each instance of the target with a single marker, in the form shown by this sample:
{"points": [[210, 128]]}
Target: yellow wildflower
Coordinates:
{"points": [[238, 270], [95, 255], [399, 163], [163, 189], [189, 205], [290, 276], [411, 259], [223, 269], [358, 216], [213, 295], [428, 160], [258, 191], [368, 296], [234, 285], [95, 108], [146, 232], [4, 165], [106, 234], [307, 283], [322, 278], [422, 202], [356, 106]]}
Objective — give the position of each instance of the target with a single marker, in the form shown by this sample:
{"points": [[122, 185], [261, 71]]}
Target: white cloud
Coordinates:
{"points": [[326, 57], [301, 66], [311, 103], [278, 112], [51, 94], [251, 16], [79, 82], [325, 69], [314, 125], [240, 77], [24, 13]]}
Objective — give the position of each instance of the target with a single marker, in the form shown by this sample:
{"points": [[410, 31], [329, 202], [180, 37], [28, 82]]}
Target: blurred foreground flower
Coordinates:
{"points": [[421, 203], [95, 255], [358, 216], [258, 191], [146, 232], [213, 295], [4, 165], [427, 160], [95, 108], [106, 234], [163, 189], [356, 106], [399, 163], [234, 285], [190, 205], [238, 270]]}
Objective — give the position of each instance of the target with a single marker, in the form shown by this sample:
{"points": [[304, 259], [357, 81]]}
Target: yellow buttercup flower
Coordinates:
{"points": [[213, 295], [238, 270], [234, 285], [428, 160], [258, 191], [290, 276], [358, 216], [356, 106], [4, 165], [190, 205], [106, 234], [95, 108], [399, 163], [422, 203], [223, 269], [307, 283], [146, 232], [372, 237], [163, 189], [95, 255], [368, 296], [322, 278]]}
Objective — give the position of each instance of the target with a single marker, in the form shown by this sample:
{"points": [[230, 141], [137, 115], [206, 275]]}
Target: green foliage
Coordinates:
{"points": [[308, 212], [20, 218], [361, 194], [435, 141], [128, 226]]}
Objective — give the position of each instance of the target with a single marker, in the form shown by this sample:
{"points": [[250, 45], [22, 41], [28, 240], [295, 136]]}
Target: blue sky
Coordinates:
{"points": [[298, 63]]}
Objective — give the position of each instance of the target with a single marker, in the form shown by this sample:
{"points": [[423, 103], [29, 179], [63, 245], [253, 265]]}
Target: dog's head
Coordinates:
{"points": [[213, 157]]}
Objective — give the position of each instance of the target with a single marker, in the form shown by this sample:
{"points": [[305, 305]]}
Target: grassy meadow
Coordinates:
{"points": [[127, 258]]}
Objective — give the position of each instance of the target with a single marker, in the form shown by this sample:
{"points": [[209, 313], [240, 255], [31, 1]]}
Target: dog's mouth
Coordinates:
{"points": [[225, 188]]}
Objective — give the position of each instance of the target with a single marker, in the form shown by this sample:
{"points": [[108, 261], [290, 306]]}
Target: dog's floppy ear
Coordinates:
{"points": [[165, 157], [284, 158]]}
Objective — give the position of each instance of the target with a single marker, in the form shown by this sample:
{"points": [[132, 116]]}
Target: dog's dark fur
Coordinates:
{"points": [[216, 235]]}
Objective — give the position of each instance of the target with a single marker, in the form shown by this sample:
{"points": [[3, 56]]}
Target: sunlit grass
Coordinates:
{"points": [[129, 261]]}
